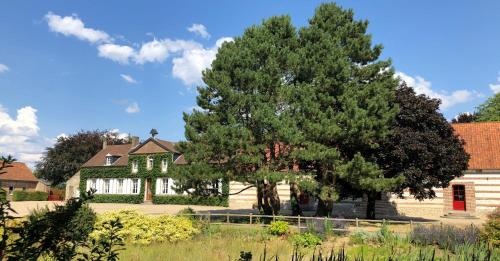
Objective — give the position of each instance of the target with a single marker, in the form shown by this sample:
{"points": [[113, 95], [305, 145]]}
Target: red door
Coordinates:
{"points": [[459, 197]]}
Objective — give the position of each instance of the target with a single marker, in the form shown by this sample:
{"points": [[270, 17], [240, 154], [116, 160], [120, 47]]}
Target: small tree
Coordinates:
{"points": [[465, 117], [63, 160]]}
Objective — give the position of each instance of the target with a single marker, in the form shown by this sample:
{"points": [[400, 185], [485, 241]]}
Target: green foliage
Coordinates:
{"points": [[19, 195], [489, 110], [278, 228], [360, 237], [63, 160], [144, 229], [192, 200], [491, 229], [278, 95], [106, 247], [186, 211], [306, 240], [113, 172], [54, 234], [382, 236], [131, 199]]}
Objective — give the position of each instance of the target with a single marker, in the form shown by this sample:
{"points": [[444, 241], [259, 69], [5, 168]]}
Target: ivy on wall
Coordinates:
{"points": [[143, 173]]}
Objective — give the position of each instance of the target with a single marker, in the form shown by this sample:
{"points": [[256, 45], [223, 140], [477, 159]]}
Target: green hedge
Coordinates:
{"points": [[29, 196], [133, 199], [192, 200]]}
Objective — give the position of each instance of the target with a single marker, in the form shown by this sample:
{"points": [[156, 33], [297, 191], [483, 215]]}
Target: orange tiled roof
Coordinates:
{"points": [[17, 171], [482, 142]]}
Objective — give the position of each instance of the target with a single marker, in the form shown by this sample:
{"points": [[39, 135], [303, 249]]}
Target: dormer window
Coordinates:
{"points": [[110, 159], [135, 166], [149, 163], [164, 165]]}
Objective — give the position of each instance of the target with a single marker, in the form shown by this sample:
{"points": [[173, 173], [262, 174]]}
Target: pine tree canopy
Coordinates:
{"points": [[318, 96]]}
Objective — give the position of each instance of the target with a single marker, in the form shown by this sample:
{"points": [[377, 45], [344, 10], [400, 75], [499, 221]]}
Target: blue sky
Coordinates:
{"points": [[134, 65]]}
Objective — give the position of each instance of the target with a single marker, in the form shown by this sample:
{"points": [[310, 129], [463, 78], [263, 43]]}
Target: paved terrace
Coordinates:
{"points": [[23, 208]]}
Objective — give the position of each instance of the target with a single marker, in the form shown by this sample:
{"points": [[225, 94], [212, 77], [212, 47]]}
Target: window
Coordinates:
{"points": [[135, 186], [164, 188], [119, 187], [135, 166], [109, 160], [149, 163], [92, 184], [24, 188], [164, 165], [106, 186], [11, 190]]}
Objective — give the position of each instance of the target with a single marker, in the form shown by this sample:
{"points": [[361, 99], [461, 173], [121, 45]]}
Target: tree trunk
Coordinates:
{"points": [[294, 199], [268, 199], [325, 208], [370, 205]]}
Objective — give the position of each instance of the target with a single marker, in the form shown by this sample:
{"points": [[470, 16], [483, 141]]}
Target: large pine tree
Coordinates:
{"points": [[319, 97], [343, 102], [244, 126]]}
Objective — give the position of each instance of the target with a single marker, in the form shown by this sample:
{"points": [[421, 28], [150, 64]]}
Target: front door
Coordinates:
{"points": [[149, 193], [459, 197]]}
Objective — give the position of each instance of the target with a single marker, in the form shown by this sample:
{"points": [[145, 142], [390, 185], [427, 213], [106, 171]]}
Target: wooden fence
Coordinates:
{"points": [[300, 222]]}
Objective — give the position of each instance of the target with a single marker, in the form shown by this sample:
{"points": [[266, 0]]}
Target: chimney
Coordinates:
{"points": [[134, 140], [104, 143]]}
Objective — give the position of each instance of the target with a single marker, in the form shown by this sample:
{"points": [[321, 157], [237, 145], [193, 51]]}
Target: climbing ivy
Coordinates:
{"points": [[143, 173]]}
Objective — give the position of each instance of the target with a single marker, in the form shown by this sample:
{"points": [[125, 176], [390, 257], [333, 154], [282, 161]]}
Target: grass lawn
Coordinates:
{"points": [[222, 242]]}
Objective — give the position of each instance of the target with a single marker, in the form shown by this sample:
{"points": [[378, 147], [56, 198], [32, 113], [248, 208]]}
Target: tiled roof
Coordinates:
{"points": [[123, 151], [482, 142], [115, 150], [17, 171]]}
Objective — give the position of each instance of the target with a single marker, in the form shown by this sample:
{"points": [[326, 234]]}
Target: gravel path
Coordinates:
{"points": [[23, 208]]}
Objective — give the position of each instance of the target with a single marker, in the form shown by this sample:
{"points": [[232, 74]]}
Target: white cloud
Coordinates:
{"points": [[422, 86], [119, 135], [133, 108], [4, 68], [19, 136], [200, 30], [495, 87], [72, 25], [190, 57], [117, 53], [128, 78], [159, 50], [189, 66]]}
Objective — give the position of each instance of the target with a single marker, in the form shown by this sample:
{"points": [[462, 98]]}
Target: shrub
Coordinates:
{"points": [[192, 200], [306, 240], [186, 211], [278, 228], [82, 223], [131, 199], [491, 229], [360, 237], [29, 196], [445, 236], [144, 229]]}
